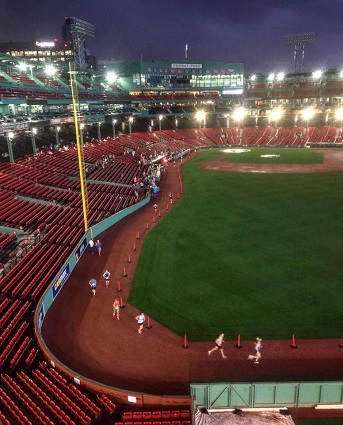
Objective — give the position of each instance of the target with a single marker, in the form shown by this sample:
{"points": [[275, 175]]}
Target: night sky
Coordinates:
{"points": [[247, 31]]}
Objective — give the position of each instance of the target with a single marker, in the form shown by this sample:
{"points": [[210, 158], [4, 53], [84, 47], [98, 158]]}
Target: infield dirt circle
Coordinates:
{"points": [[80, 331]]}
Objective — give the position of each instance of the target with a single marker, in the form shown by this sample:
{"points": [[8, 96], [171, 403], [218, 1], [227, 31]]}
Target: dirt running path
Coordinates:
{"points": [[81, 332]]}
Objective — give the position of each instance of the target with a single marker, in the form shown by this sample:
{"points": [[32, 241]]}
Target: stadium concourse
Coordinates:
{"points": [[81, 332]]}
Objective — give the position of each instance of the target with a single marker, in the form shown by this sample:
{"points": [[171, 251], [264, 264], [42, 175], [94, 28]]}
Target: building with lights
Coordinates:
{"points": [[39, 51], [181, 77]]}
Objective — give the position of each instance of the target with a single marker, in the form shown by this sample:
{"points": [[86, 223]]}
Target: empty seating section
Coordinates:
{"points": [[21, 79], [13, 413], [6, 239], [156, 417]]}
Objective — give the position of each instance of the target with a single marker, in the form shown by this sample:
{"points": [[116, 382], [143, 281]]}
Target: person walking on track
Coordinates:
{"points": [[106, 276], [91, 245], [258, 346], [92, 283], [98, 246], [116, 308], [140, 319], [219, 346]]}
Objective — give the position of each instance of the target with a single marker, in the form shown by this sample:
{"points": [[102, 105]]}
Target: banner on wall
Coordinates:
{"points": [[59, 282], [81, 249]]}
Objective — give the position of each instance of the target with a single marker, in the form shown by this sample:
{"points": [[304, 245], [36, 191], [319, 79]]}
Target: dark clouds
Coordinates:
{"points": [[248, 31]]}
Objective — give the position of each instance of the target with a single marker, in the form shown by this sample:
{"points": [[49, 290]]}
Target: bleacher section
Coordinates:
{"points": [[40, 197]]}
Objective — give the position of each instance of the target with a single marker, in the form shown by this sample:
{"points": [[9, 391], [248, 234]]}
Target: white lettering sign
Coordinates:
{"points": [[45, 43], [186, 65]]}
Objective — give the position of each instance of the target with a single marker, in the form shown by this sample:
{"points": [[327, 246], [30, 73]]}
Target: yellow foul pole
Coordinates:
{"points": [[82, 168]]}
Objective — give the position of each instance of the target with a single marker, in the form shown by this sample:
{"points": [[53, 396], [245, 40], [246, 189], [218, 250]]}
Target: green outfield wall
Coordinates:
{"points": [[265, 394]]}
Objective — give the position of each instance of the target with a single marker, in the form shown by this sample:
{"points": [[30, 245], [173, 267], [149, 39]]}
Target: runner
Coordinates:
{"points": [[219, 346], [257, 356], [106, 276], [140, 319], [116, 308]]}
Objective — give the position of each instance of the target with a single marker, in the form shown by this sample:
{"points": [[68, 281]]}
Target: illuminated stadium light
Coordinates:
{"points": [[114, 121], [341, 74], [339, 115], [253, 77], [307, 115], [50, 69], [201, 117], [160, 118], [57, 137], [275, 115], [130, 122], [280, 76], [111, 77], [82, 126], [9, 137], [22, 66], [239, 114], [316, 75], [271, 76]]}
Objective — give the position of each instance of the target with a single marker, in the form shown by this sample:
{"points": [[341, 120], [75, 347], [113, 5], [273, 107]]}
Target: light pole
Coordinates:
{"points": [[82, 126], [130, 122], [160, 118], [33, 138], [339, 117], [201, 117], [238, 115], [227, 116], [9, 137], [114, 127], [57, 129], [99, 130], [307, 115]]}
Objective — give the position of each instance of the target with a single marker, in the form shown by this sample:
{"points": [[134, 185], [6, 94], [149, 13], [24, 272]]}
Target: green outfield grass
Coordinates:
{"points": [[250, 254], [280, 156]]}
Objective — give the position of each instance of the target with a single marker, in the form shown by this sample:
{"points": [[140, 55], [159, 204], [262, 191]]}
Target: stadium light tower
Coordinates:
{"points": [[76, 31], [299, 41]]}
